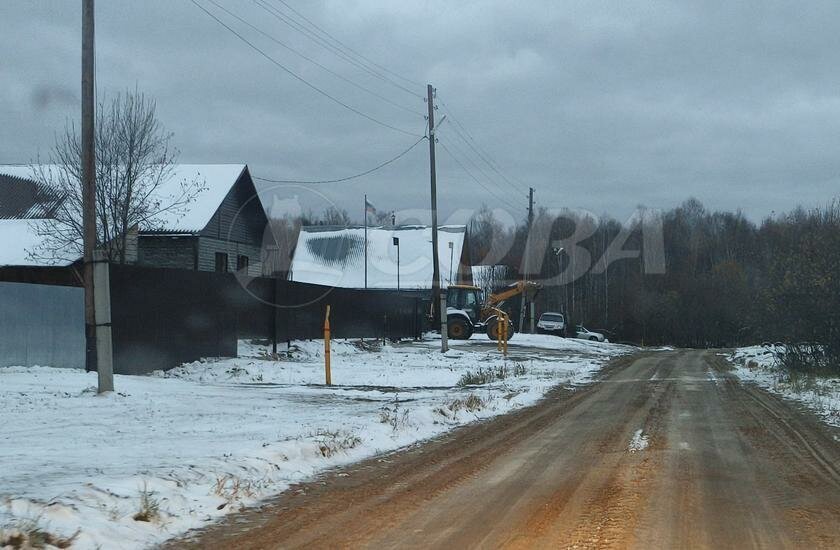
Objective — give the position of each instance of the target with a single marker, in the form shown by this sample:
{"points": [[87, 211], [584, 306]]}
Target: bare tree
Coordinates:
{"points": [[134, 169]]}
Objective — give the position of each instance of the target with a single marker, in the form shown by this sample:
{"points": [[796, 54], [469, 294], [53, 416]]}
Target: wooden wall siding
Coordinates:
{"points": [[240, 217], [208, 246], [164, 251]]}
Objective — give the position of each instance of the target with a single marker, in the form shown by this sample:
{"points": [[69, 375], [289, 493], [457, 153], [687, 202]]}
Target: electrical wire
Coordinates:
{"points": [[348, 48], [475, 147], [470, 174], [325, 44], [313, 61], [359, 175], [300, 78], [479, 169]]}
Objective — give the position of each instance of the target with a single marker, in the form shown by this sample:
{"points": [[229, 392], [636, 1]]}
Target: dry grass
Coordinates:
{"points": [[331, 443], [472, 403], [486, 376], [28, 533], [149, 506], [394, 415]]}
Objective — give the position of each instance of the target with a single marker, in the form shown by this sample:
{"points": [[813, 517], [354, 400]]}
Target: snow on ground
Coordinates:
{"points": [[209, 437], [757, 364], [638, 442]]}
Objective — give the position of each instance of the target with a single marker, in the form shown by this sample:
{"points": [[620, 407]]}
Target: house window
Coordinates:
{"points": [[242, 263], [221, 262]]}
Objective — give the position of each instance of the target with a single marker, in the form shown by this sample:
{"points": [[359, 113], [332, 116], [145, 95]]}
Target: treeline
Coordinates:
{"points": [[687, 277]]}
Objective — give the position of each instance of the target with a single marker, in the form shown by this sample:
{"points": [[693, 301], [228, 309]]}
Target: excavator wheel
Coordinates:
{"points": [[493, 332], [458, 329]]}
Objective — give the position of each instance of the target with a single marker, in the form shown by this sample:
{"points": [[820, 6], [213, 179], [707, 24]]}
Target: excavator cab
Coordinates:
{"points": [[467, 310], [463, 309]]}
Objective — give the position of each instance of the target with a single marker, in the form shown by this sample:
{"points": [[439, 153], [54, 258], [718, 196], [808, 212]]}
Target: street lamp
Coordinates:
{"points": [[451, 259], [397, 244]]}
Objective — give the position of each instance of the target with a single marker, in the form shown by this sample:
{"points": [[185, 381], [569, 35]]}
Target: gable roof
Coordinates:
{"points": [[335, 256], [213, 180]]}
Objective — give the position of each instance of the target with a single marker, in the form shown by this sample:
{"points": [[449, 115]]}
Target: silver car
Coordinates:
{"points": [[552, 323]]}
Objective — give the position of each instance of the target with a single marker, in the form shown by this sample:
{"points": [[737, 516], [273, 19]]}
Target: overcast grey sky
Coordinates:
{"points": [[598, 105]]}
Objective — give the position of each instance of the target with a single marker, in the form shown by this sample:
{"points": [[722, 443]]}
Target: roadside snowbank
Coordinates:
{"points": [[184, 447], [757, 364]]}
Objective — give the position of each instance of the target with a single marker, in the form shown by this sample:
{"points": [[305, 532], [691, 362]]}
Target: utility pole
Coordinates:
{"points": [[526, 264], [438, 298], [530, 224], [93, 348], [88, 183]]}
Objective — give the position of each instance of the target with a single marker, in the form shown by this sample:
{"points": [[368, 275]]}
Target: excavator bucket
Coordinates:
{"points": [[531, 290]]}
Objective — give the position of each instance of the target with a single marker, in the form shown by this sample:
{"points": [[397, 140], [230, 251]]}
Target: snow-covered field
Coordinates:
{"points": [[757, 364], [184, 447]]}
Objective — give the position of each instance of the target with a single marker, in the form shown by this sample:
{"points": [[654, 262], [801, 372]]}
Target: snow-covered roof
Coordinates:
{"points": [[335, 256], [21, 198], [17, 239], [213, 180]]}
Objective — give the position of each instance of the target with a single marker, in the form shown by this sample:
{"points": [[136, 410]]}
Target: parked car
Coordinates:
{"points": [[585, 334], [552, 323]]}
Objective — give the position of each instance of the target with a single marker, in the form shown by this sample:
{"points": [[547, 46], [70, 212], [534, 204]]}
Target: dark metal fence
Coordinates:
{"points": [[164, 317], [41, 325]]}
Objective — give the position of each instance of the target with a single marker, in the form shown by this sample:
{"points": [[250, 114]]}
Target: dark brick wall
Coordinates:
{"points": [[167, 251]]}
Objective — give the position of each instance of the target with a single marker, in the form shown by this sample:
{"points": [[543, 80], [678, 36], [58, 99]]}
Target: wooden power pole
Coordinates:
{"points": [[438, 298], [88, 182], [104, 368], [530, 226]]}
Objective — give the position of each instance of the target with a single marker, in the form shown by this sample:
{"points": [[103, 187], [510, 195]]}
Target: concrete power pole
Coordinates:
{"points": [[438, 297], [93, 351]]}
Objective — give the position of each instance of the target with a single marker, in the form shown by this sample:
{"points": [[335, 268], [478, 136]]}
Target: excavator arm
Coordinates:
{"points": [[529, 288]]}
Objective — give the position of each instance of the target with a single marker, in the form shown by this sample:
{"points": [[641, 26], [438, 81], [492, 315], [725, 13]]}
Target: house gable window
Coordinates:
{"points": [[221, 262]]}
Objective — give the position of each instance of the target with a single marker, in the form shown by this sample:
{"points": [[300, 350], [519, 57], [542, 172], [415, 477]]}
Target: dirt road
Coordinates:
{"points": [[725, 466]]}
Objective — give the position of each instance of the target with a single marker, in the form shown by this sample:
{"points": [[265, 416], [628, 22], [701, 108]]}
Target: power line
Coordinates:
{"points": [[359, 175], [478, 169], [505, 183], [300, 78], [325, 44], [470, 174], [485, 175], [475, 147], [313, 61], [348, 48]]}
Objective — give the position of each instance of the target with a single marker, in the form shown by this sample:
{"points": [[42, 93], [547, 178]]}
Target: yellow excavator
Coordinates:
{"points": [[466, 312]]}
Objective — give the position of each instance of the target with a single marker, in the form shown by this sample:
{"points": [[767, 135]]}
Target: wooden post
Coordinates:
{"points": [[88, 181], [327, 347]]}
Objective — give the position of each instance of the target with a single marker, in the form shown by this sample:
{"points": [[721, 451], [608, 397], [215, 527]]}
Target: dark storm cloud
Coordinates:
{"points": [[602, 106]]}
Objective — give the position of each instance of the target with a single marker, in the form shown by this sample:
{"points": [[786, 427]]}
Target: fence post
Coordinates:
{"points": [[327, 347], [102, 307]]}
